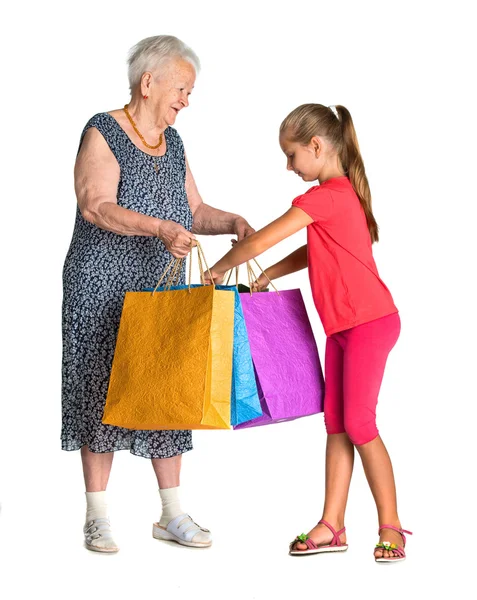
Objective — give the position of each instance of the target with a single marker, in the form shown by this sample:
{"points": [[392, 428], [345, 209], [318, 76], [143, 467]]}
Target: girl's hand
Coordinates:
{"points": [[260, 284], [217, 278]]}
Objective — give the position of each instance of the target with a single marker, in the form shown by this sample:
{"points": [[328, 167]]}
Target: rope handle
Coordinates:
{"points": [[251, 276], [174, 268], [265, 273], [236, 269]]}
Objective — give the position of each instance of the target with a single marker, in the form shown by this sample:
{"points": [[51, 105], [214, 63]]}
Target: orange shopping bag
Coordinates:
{"points": [[172, 366]]}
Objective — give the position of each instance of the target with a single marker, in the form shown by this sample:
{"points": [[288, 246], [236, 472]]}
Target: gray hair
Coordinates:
{"points": [[152, 52]]}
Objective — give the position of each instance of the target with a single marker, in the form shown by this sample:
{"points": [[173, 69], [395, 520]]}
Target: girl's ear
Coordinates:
{"points": [[316, 145]]}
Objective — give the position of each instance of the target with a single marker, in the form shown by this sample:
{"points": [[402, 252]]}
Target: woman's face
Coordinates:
{"points": [[301, 159], [172, 89]]}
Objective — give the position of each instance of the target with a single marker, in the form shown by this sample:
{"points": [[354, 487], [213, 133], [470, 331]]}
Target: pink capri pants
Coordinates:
{"points": [[354, 369]]}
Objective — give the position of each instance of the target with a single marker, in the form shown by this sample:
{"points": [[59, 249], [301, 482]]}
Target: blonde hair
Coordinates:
{"points": [[309, 120], [152, 52]]}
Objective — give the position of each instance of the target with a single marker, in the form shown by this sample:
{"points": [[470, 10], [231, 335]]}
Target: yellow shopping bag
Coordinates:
{"points": [[172, 366]]}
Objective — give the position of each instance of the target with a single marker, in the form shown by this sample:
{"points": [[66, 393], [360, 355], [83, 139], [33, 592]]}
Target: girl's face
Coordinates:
{"points": [[304, 160]]}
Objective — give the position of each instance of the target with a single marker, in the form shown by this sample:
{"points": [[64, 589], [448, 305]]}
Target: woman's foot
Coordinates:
{"points": [[183, 530], [98, 536], [322, 536], [391, 536]]}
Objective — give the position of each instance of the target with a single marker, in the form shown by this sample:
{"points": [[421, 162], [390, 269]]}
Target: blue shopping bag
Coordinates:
{"points": [[245, 403]]}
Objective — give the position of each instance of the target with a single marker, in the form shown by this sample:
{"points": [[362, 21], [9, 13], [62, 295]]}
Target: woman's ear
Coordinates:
{"points": [[146, 81]]}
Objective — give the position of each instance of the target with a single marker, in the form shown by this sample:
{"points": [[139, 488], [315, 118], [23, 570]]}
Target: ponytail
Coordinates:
{"points": [[353, 165], [337, 126]]}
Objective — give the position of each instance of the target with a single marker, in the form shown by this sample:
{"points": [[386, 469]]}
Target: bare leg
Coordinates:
{"points": [[379, 473], [97, 530], [167, 471], [96, 469], [339, 468]]}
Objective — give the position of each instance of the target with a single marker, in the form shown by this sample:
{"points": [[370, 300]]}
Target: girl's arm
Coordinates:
{"points": [[296, 261], [257, 243]]}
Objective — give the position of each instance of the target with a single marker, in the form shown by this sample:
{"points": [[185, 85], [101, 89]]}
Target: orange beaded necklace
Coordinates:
{"points": [[139, 133]]}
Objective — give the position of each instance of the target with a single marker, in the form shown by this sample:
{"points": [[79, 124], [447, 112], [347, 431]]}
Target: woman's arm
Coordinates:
{"points": [[96, 185], [288, 224], [296, 261], [209, 220]]}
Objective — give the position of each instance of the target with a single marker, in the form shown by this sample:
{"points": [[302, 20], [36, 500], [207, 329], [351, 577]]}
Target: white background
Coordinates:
{"points": [[405, 71]]}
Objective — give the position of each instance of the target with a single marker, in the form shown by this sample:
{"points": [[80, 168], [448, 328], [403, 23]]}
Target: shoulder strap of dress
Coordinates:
{"points": [[176, 148], [109, 129]]}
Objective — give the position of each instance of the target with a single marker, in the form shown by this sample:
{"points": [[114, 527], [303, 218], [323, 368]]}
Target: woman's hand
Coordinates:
{"points": [[177, 240], [242, 228]]}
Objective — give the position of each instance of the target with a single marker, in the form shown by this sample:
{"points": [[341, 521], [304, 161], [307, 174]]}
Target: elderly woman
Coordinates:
{"points": [[138, 205]]}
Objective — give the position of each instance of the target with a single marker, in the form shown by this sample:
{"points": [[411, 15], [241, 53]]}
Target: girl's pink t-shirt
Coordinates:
{"points": [[345, 283]]}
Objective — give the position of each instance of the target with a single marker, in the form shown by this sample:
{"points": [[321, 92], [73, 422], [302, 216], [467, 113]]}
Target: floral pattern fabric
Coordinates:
{"points": [[100, 267]]}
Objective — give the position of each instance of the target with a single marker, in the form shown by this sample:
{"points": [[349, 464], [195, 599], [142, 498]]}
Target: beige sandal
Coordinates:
{"points": [[185, 531], [98, 536]]}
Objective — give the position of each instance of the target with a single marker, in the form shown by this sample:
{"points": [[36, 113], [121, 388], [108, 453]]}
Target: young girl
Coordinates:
{"points": [[356, 308]]}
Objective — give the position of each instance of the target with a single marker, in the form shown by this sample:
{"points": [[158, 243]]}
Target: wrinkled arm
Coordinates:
{"points": [[96, 184], [208, 220]]}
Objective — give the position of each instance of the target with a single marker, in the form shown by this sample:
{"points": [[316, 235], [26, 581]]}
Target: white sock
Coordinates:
{"points": [[96, 506], [171, 507]]}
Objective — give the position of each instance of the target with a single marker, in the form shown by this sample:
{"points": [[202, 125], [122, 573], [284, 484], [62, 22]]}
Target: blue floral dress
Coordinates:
{"points": [[99, 268]]}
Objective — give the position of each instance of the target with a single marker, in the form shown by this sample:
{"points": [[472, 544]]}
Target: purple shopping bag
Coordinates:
{"points": [[285, 357]]}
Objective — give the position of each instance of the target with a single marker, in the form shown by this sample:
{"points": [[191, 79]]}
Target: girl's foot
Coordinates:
{"points": [[391, 536], [322, 536]]}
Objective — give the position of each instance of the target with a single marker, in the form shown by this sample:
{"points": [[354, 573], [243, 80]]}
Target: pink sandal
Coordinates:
{"points": [[398, 550], [313, 548]]}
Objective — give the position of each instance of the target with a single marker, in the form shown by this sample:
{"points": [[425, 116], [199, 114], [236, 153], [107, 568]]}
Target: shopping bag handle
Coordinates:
{"points": [[175, 267], [236, 269], [251, 276]]}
